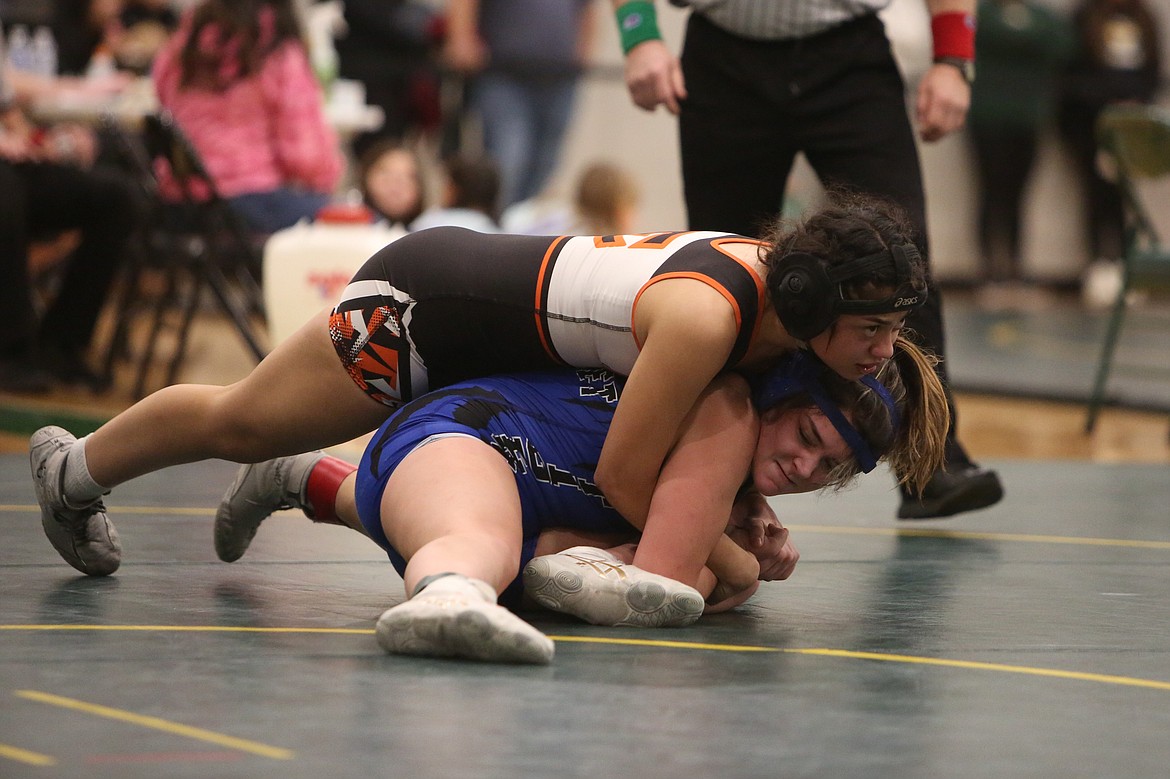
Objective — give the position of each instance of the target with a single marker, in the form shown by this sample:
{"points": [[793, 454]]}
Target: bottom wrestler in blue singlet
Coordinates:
{"points": [[549, 426]]}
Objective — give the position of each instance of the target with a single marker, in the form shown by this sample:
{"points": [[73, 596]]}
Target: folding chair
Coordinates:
{"points": [[1137, 138], [198, 243]]}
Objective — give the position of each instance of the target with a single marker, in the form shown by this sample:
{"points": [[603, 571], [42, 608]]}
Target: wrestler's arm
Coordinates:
{"points": [[755, 529], [684, 531], [687, 330]]}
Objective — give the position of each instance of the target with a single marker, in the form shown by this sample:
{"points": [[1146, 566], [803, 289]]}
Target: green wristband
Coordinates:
{"points": [[637, 23]]}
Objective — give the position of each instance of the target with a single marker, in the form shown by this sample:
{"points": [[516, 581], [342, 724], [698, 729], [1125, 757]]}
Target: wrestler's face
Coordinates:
{"points": [[856, 346], [796, 451]]}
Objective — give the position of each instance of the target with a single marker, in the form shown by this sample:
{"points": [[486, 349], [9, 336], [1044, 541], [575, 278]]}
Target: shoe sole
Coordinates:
{"points": [[978, 494], [424, 630], [651, 601], [60, 536]]}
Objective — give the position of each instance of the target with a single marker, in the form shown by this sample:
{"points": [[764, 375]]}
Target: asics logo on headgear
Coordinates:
{"points": [[903, 302]]}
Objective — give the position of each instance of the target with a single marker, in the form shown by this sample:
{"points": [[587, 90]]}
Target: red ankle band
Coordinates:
{"points": [[321, 492]]}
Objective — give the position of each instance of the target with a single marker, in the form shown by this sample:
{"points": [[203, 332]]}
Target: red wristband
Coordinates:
{"points": [[954, 35]]}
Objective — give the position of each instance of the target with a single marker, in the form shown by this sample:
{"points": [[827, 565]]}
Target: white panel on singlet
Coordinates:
{"points": [[591, 297]]}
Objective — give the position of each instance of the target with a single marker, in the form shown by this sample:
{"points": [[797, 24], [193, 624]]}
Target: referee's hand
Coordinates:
{"points": [[654, 77], [943, 99]]}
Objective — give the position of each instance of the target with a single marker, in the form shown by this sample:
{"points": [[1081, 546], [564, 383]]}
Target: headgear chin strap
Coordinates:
{"points": [[801, 371]]}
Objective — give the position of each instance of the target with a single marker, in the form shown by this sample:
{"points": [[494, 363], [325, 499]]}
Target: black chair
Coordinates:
{"points": [[195, 242], [1137, 139]]}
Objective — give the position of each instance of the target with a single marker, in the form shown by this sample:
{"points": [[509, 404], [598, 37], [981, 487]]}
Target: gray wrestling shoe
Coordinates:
{"points": [[596, 586], [84, 536], [259, 490], [456, 616]]}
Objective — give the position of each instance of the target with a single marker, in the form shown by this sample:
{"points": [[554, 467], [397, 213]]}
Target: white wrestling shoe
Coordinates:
{"points": [[596, 586], [84, 536], [259, 490], [455, 616]]}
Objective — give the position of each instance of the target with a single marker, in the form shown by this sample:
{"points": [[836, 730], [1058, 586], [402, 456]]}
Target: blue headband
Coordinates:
{"points": [[801, 371]]}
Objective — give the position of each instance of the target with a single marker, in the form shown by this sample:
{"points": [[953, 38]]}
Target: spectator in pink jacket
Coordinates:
{"points": [[237, 79]]}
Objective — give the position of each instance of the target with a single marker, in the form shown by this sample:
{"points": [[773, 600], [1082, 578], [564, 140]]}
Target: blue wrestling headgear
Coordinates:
{"points": [[801, 371]]}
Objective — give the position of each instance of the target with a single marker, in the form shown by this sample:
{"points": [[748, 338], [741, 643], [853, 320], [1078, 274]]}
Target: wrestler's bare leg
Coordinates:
{"points": [[297, 399], [452, 506]]}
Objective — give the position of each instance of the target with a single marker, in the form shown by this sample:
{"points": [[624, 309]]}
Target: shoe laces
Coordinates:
{"points": [[77, 519]]}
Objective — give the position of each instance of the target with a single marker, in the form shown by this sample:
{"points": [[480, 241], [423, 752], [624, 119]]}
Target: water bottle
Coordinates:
{"points": [[44, 52], [101, 63], [20, 53]]}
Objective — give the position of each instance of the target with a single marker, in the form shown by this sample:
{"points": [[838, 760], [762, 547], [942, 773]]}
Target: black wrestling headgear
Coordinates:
{"points": [[809, 297]]}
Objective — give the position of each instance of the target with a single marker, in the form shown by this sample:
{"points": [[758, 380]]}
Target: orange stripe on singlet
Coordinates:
{"points": [[717, 244], [542, 278], [710, 282], [761, 287]]}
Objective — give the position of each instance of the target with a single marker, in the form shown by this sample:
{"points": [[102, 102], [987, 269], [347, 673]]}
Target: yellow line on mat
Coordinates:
{"points": [[977, 666], [24, 756], [256, 748], [823, 652], [966, 664]]}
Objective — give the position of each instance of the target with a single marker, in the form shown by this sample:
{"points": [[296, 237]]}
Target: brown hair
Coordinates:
{"points": [[474, 183], [603, 190], [851, 225], [228, 40]]}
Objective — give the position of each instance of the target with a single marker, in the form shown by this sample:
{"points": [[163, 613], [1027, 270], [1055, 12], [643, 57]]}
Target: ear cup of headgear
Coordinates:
{"points": [[805, 298]]}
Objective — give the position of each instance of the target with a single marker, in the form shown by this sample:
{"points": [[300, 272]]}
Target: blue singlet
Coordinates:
{"points": [[549, 426]]}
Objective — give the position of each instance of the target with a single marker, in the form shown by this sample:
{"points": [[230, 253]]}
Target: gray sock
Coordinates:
{"points": [[423, 582], [77, 487]]}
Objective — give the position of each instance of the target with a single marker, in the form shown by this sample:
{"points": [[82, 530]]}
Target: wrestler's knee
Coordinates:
{"points": [[242, 432], [502, 549]]}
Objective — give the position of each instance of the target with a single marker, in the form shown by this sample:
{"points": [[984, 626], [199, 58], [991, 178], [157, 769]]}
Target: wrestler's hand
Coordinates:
{"points": [[756, 528], [777, 555], [943, 99], [654, 77], [750, 517]]}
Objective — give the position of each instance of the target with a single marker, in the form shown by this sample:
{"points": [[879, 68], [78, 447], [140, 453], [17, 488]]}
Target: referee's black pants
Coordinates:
{"points": [[838, 97]]}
